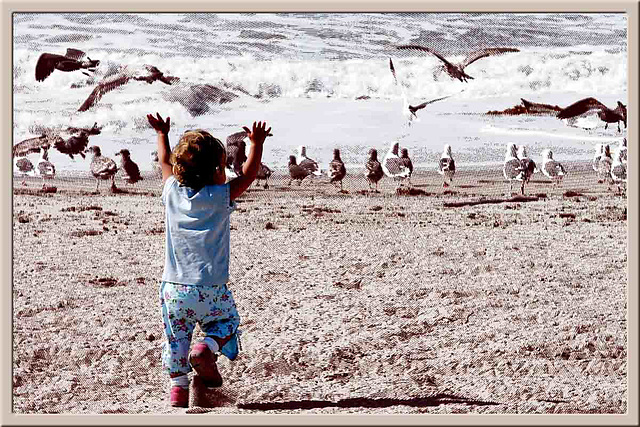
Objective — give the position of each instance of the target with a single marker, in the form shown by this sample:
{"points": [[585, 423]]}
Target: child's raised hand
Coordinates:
{"points": [[160, 125], [259, 133]]}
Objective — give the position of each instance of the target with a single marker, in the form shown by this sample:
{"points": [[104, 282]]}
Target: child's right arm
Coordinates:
{"points": [[164, 151]]}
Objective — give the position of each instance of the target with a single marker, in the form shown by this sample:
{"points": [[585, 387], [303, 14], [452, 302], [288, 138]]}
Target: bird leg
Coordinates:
{"points": [[97, 184], [522, 188]]}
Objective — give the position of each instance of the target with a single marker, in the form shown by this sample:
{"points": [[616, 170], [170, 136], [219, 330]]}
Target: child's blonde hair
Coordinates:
{"points": [[196, 157]]}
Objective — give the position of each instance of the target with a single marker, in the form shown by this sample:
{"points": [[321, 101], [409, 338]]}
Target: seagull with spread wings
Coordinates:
{"points": [[148, 74], [456, 71], [589, 106], [409, 110], [71, 61]]}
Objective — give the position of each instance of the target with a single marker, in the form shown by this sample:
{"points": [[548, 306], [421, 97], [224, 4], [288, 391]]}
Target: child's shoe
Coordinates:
{"points": [[203, 361], [179, 397]]}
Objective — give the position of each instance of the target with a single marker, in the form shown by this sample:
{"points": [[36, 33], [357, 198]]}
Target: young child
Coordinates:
{"points": [[196, 269]]}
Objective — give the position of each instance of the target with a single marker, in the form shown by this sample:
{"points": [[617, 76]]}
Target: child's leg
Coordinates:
{"points": [[178, 315], [219, 319]]}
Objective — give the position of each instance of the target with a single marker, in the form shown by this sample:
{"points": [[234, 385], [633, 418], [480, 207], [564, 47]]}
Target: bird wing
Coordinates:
{"points": [[103, 87], [395, 166], [443, 164], [308, 164], [103, 166], [168, 79], [425, 49], [236, 138], [581, 107], [298, 172], [512, 168], [74, 54], [482, 53], [46, 64], [424, 104], [31, 145], [393, 71]]}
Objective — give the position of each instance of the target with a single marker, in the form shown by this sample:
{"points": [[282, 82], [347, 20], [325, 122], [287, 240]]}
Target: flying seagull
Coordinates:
{"points": [[71, 61], [589, 106], [33, 145], [456, 71], [409, 110], [148, 74]]}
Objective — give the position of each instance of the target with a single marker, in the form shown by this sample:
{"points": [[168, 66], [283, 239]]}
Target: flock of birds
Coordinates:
{"points": [[396, 163]]}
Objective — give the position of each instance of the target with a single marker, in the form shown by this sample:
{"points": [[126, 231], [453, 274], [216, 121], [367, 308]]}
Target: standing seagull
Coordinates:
{"points": [[71, 61], [619, 171], [45, 168], [622, 149], [589, 106], [446, 165], [25, 167], [263, 174], [404, 155], [512, 169], [337, 171], [131, 170], [456, 71], [77, 142], [148, 74], [307, 163], [102, 167], [393, 166], [409, 111], [596, 157], [604, 165], [528, 166], [373, 169], [155, 164], [550, 168], [297, 172]]}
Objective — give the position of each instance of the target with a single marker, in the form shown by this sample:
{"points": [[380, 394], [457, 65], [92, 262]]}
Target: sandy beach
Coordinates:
{"points": [[363, 303]]}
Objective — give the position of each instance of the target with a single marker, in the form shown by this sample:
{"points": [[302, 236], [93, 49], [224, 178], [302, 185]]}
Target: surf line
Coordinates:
{"points": [[504, 131]]}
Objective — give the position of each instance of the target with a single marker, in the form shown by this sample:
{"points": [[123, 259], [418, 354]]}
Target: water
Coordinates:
{"points": [[303, 72]]}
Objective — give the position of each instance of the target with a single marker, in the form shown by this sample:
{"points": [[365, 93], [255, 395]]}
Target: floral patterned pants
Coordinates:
{"points": [[184, 306]]}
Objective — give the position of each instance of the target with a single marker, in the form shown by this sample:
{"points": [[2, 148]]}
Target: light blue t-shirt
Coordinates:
{"points": [[197, 233]]}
